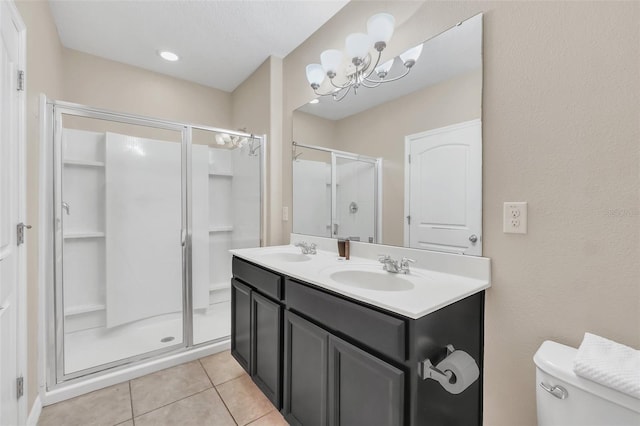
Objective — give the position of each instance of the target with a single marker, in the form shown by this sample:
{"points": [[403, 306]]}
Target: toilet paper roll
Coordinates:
{"points": [[464, 369]]}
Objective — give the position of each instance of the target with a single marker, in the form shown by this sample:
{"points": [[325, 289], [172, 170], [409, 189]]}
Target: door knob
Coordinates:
{"points": [[473, 238]]}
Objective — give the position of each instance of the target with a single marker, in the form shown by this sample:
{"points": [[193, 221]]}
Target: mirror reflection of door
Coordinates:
{"points": [[354, 212], [443, 206]]}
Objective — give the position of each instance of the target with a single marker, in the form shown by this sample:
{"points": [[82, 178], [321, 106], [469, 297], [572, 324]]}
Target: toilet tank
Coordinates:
{"points": [[586, 402]]}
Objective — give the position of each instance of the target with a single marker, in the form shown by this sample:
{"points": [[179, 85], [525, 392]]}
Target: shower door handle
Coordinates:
{"points": [[183, 237]]}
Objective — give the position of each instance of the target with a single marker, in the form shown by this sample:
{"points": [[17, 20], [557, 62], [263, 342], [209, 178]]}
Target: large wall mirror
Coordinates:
{"points": [[402, 161]]}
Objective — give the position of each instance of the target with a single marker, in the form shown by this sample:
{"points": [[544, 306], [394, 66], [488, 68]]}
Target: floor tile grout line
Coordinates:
{"points": [[225, 406], [217, 392], [131, 400], [173, 402], [262, 416]]}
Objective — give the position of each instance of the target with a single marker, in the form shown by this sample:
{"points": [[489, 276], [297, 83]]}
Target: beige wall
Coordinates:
{"points": [[256, 105], [102, 83], [44, 74], [561, 130]]}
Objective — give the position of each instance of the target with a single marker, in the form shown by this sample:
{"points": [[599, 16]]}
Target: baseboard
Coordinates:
{"points": [[34, 413]]}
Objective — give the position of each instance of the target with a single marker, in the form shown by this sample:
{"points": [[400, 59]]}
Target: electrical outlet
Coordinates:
{"points": [[285, 213], [514, 219]]}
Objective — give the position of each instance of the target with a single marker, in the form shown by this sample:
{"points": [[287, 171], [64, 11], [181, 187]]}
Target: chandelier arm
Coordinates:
{"points": [[324, 94], [371, 86], [373, 68], [396, 78], [344, 94], [344, 86]]}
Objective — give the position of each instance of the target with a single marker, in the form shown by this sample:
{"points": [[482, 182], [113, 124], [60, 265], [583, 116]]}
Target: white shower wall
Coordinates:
{"points": [[106, 253]]}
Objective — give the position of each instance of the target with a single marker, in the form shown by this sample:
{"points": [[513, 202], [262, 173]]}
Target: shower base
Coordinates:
{"points": [[97, 346]]}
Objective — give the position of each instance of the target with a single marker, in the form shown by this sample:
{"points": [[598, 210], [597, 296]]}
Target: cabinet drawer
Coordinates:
{"points": [[381, 332], [264, 281]]}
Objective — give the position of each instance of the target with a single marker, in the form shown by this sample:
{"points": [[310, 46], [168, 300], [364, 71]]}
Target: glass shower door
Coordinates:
{"points": [[120, 235], [225, 214]]}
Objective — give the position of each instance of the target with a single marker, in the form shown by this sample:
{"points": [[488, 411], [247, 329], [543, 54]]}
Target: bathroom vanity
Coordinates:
{"points": [[334, 342]]}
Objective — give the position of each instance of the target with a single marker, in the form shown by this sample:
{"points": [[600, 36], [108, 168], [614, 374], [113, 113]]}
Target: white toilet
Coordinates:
{"points": [[570, 400]]}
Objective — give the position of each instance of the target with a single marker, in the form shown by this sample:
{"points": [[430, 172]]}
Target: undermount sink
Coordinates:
{"points": [[286, 257], [372, 280]]}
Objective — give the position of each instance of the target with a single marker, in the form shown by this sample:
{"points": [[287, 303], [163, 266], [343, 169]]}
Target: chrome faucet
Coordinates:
{"points": [[394, 266], [307, 248]]}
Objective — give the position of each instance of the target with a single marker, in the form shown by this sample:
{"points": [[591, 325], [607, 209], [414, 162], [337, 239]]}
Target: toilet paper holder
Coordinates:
{"points": [[426, 369], [446, 378]]}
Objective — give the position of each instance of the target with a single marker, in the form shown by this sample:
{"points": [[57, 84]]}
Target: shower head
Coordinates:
{"points": [[253, 149]]}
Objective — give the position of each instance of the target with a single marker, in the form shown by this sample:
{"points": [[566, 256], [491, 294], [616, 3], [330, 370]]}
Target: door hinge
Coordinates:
{"points": [[409, 158], [409, 220], [19, 387], [20, 233], [20, 80]]}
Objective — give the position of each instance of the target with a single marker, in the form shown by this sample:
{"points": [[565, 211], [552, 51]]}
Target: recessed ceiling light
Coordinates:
{"points": [[314, 101], [168, 56]]}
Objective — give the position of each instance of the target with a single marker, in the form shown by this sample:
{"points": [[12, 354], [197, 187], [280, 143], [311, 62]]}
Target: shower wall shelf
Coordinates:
{"points": [[79, 235], [84, 309], [84, 163], [215, 229]]}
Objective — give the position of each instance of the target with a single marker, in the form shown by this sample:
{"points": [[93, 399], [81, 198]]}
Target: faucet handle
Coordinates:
{"points": [[406, 260]]}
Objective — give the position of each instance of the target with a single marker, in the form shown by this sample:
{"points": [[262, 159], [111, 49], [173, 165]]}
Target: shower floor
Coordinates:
{"points": [[97, 346]]}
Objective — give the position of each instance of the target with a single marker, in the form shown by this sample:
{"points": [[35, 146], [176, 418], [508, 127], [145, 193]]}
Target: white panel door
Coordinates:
{"points": [[445, 189], [11, 182]]}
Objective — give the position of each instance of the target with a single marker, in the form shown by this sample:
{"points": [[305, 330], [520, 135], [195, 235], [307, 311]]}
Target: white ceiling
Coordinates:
{"points": [[220, 43]]}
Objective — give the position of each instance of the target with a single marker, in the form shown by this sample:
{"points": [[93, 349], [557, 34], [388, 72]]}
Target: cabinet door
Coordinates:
{"points": [[241, 323], [305, 375], [267, 343], [363, 390]]}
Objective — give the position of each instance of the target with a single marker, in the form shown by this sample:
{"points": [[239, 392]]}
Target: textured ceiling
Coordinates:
{"points": [[220, 43]]}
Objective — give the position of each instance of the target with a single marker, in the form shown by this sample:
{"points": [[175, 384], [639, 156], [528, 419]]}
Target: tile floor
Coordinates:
{"points": [[210, 391]]}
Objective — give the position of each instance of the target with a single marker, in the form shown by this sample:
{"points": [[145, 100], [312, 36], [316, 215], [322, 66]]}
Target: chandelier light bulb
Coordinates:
{"points": [[383, 70], [380, 29], [331, 59], [358, 45], [315, 75], [410, 56]]}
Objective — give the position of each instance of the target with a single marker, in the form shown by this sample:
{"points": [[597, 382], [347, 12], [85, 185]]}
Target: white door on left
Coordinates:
{"points": [[12, 175]]}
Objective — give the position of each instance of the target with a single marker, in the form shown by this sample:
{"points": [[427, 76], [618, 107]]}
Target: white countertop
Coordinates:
{"points": [[424, 290]]}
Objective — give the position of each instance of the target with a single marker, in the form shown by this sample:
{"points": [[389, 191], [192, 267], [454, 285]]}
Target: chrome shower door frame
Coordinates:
{"points": [[56, 375]]}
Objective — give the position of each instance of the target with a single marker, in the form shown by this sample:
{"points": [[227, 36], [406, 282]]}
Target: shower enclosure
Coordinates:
{"points": [[336, 194], [144, 212]]}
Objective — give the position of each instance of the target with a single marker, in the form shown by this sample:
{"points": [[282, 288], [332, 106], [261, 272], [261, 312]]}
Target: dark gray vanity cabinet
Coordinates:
{"points": [[266, 341], [331, 360], [363, 389], [305, 372], [241, 323], [256, 326], [331, 382]]}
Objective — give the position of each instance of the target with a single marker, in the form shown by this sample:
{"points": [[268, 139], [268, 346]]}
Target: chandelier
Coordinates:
{"points": [[361, 72]]}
